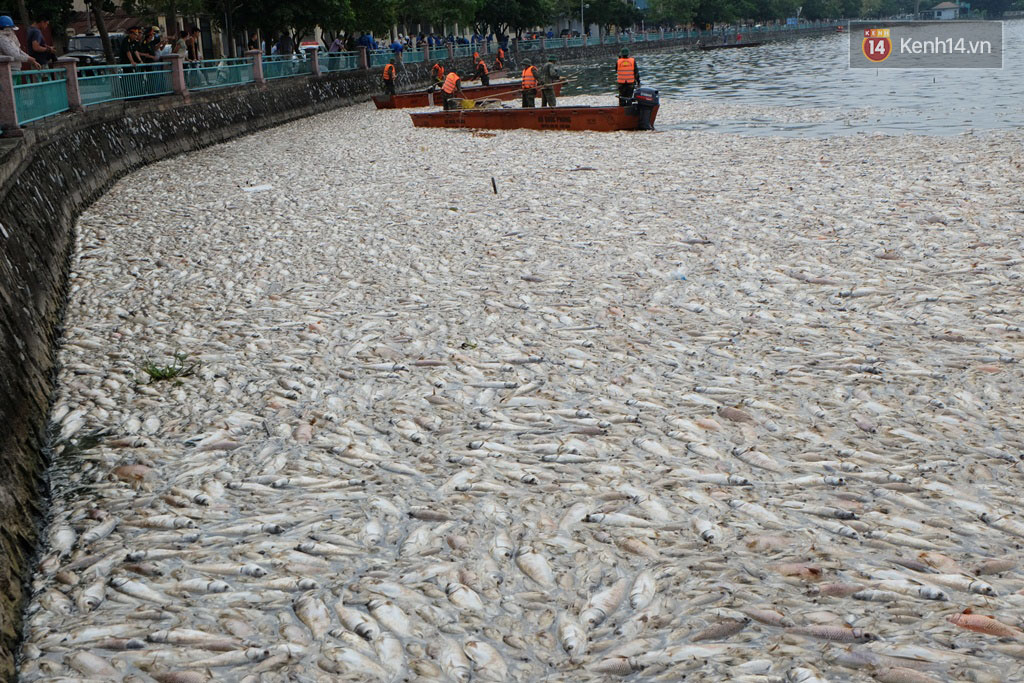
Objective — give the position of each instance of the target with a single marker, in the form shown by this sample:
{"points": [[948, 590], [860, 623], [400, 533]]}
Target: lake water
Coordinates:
{"points": [[812, 73]]}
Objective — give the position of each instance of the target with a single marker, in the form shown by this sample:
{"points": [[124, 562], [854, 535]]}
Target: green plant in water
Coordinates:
{"points": [[177, 369]]}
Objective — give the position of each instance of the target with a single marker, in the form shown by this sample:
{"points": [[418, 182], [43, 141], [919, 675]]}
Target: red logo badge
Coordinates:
{"points": [[876, 44]]}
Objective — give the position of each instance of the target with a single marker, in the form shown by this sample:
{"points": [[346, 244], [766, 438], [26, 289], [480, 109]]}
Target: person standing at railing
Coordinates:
{"points": [[388, 76], [11, 47], [529, 84], [37, 48], [181, 46], [627, 74], [130, 47]]}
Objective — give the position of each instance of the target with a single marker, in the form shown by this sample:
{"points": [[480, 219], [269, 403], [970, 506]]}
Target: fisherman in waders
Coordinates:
{"points": [[548, 76], [452, 85], [389, 76], [529, 84], [627, 74]]}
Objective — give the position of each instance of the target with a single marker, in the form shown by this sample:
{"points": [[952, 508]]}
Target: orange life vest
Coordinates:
{"points": [[501, 54], [529, 78], [450, 82], [389, 72], [438, 72], [481, 68], [626, 70]]}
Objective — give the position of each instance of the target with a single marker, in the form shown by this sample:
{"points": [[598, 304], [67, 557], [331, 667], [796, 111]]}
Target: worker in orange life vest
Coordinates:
{"points": [[627, 75], [499, 61], [530, 82], [389, 76], [481, 72], [452, 86], [437, 74]]}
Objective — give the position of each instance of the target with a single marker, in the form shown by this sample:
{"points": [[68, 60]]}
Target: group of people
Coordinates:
{"points": [[534, 79], [40, 54], [145, 46]]}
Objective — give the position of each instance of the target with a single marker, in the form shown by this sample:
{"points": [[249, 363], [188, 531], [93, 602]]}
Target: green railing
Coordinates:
{"points": [[413, 56], [576, 42], [123, 82], [38, 94], [464, 50], [529, 45], [218, 73], [286, 66], [339, 61], [380, 57]]}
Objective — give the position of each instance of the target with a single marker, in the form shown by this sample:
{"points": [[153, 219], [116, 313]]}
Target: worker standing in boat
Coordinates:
{"points": [[499, 61], [452, 86], [437, 74], [548, 76], [529, 84], [481, 72], [627, 74], [389, 76]]}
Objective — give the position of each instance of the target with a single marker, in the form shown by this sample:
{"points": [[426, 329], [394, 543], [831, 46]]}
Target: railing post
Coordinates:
{"points": [[364, 57], [426, 52], [315, 56], [543, 45], [565, 42], [70, 65], [257, 66], [662, 31], [178, 84], [8, 111], [451, 50]]}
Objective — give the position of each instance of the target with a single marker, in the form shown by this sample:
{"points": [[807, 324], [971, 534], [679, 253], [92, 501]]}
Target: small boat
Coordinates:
{"points": [[509, 90], [726, 46], [604, 119]]}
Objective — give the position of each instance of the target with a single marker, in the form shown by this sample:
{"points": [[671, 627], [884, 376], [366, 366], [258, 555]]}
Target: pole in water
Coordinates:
{"points": [[494, 185]]}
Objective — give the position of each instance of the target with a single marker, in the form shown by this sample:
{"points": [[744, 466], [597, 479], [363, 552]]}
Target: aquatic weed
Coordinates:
{"points": [[173, 371]]}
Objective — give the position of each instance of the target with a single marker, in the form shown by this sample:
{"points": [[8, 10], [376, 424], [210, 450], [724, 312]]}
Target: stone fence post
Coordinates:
{"points": [[315, 56], [426, 52], [257, 66], [364, 57], [451, 50], [70, 65], [178, 85], [8, 112], [543, 43]]}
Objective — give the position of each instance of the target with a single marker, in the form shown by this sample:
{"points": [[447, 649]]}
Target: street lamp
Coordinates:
{"points": [[583, 27]]}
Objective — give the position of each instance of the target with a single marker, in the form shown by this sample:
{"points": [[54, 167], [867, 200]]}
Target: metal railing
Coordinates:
{"points": [[218, 73], [286, 66], [332, 62], [413, 56], [38, 94], [100, 84], [464, 50], [380, 57], [529, 45], [576, 42]]}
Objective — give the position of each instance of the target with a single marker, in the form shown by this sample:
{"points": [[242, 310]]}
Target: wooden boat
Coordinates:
{"points": [[604, 119], [726, 46], [508, 90]]}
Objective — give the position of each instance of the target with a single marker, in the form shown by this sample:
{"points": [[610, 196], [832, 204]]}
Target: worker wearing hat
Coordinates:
{"points": [[548, 77], [10, 46], [529, 84], [627, 75]]}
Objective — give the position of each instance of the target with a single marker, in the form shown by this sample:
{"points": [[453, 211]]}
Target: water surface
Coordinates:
{"points": [[812, 73]]}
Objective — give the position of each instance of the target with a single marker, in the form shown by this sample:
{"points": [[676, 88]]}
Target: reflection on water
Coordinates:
{"points": [[812, 73]]}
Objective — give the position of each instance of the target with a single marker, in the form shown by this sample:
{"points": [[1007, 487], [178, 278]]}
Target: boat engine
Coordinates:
{"points": [[645, 100]]}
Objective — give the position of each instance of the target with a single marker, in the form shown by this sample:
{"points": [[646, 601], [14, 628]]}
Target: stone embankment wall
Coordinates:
{"points": [[46, 178]]}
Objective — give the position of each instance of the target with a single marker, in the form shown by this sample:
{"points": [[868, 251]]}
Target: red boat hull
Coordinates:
{"points": [[604, 119], [496, 91]]}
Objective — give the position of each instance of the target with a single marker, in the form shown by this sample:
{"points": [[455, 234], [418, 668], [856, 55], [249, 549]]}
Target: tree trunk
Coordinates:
{"points": [[23, 13], [229, 30], [101, 26]]}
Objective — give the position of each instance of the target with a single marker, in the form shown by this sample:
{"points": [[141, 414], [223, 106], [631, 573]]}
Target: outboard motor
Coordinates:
{"points": [[646, 101]]}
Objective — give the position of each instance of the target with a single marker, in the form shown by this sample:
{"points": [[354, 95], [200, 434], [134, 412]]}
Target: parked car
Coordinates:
{"points": [[88, 48]]}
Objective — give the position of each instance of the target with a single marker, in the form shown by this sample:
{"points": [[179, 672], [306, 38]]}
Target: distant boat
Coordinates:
{"points": [[605, 119], [726, 46]]}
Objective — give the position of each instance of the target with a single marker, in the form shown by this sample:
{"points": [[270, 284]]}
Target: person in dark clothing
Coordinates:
{"points": [[389, 76], [130, 47], [37, 47], [481, 71], [548, 76], [285, 46], [529, 83], [627, 75]]}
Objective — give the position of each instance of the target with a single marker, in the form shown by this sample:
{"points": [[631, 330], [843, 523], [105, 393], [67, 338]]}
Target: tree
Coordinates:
{"points": [[511, 16]]}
